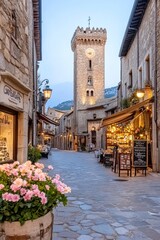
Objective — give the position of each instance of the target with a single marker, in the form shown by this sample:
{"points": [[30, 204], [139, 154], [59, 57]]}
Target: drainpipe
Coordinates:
{"points": [[155, 87], [155, 72]]}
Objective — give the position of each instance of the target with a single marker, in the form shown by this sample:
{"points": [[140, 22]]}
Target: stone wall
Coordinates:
{"points": [[14, 51], [16, 64], [142, 46]]}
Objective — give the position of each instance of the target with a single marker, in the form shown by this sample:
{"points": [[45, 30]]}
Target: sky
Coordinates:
{"points": [[60, 19]]}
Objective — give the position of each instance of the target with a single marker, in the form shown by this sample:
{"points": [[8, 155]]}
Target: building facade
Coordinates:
{"points": [[20, 49], [138, 89], [88, 46]]}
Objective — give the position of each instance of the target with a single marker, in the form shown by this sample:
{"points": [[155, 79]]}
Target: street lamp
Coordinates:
{"points": [[145, 92], [47, 92], [140, 93], [44, 95]]}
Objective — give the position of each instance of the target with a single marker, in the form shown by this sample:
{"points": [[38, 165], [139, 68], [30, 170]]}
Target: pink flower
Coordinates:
{"points": [[62, 188], [15, 197], [5, 196], [35, 178], [39, 165], [29, 194], [44, 200], [47, 187], [42, 177], [15, 172], [29, 174], [10, 197], [50, 167], [23, 191], [1, 186], [18, 182], [14, 188], [42, 195], [34, 186]]}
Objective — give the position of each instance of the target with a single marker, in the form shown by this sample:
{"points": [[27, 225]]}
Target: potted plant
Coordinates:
{"points": [[27, 197], [139, 133], [34, 154]]}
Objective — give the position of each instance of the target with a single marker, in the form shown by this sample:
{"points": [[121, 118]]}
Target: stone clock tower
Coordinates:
{"points": [[89, 81]]}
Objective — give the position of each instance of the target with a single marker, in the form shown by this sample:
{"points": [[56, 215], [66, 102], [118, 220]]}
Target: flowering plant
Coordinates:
{"points": [[27, 192], [138, 131]]}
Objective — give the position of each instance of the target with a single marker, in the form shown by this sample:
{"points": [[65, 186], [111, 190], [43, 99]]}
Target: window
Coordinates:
{"points": [[87, 93], [93, 137], [94, 115], [140, 78], [130, 80], [91, 93], [90, 81], [147, 65], [14, 24], [90, 64], [125, 90]]}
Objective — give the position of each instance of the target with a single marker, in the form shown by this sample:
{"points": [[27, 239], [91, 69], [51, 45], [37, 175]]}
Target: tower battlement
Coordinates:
{"points": [[88, 36]]}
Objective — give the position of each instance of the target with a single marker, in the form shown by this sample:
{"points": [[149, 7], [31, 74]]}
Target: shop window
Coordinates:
{"points": [[7, 136]]}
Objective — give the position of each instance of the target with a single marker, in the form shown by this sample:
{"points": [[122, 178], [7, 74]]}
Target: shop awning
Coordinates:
{"points": [[46, 119], [125, 115]]}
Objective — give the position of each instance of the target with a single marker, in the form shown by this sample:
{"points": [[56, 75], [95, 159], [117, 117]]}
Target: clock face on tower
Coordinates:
{"points": [[90, 53]]}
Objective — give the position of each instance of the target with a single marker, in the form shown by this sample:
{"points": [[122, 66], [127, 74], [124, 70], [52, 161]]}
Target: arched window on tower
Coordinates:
{"points": [[92, 93], [90, 80], [87, 93]]}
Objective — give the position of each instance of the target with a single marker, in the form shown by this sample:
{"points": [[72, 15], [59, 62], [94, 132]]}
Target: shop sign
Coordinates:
{"points": [[125, 162], [13, 96]]}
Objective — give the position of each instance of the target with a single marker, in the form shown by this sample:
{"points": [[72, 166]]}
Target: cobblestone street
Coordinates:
{"points": [[101, 206]]}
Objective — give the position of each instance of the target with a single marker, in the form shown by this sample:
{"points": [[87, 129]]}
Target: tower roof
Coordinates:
{"points": [[88, 35]]}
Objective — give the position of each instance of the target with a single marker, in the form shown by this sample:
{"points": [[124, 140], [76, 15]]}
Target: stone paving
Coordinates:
{"points": [[102, 205]]}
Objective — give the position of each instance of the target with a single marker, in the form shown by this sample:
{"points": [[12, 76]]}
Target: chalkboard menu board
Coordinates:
{"points": [[140, 153], [108, 161]]}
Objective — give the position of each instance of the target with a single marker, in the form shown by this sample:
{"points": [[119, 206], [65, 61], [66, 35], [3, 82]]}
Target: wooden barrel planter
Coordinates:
{"points": [[38, 229]]}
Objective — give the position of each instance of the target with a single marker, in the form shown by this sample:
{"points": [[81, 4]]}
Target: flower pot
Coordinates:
{"points": [[37, 229]]}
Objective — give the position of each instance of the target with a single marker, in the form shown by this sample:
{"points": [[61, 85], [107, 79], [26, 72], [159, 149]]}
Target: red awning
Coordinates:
{"points": [[46, 119]]}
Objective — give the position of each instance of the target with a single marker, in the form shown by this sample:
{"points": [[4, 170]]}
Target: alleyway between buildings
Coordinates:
{"points": [[102, 207]]}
